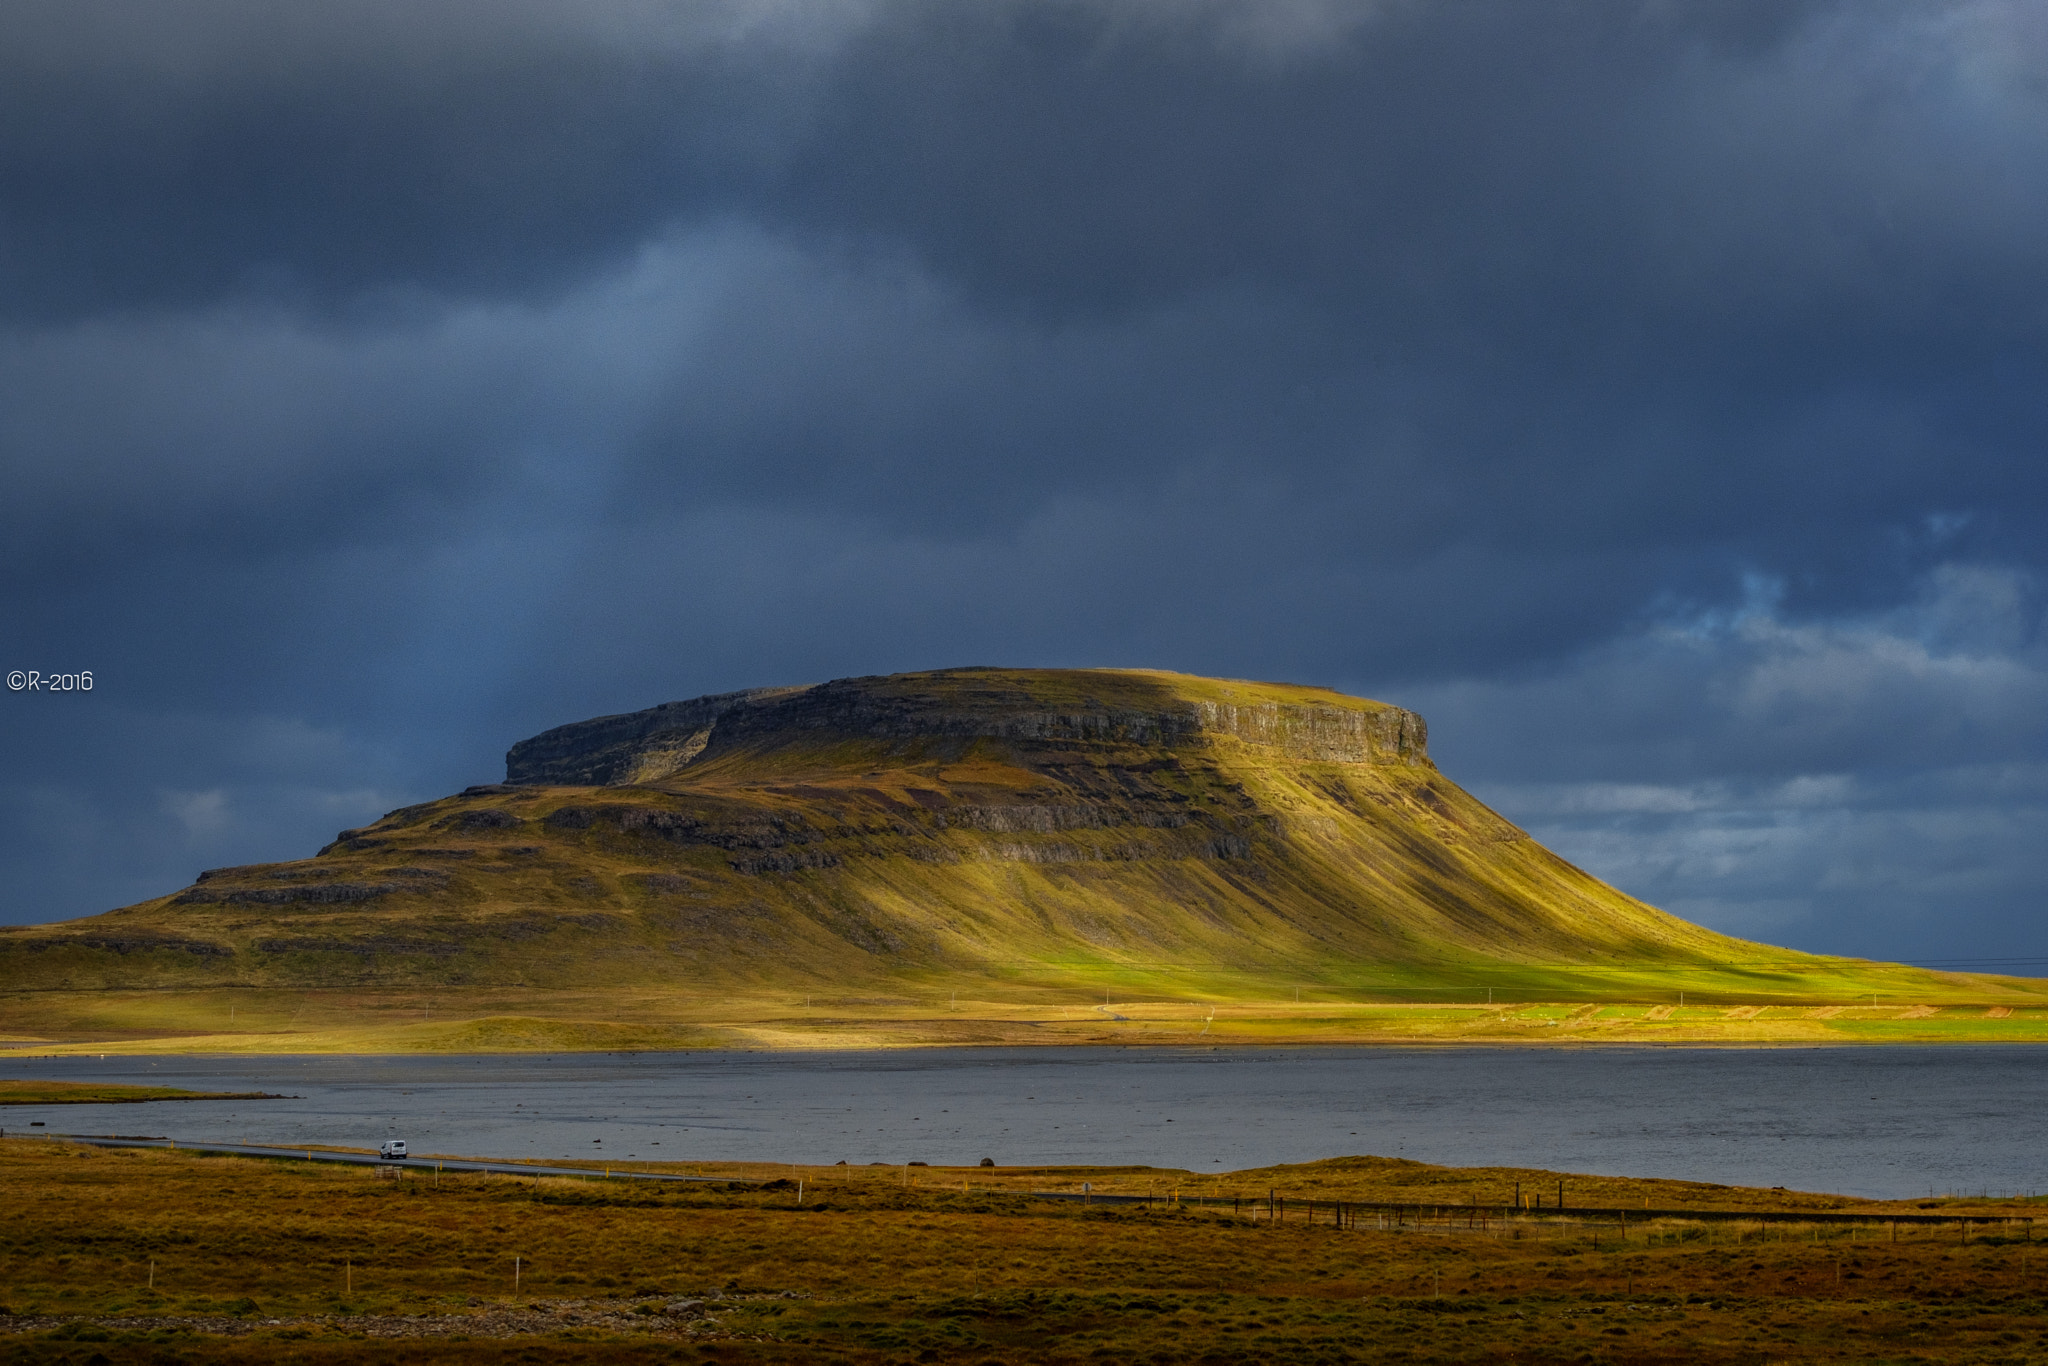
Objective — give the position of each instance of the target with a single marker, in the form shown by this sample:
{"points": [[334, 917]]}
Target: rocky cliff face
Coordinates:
{"points": [[1341, 735], [635, 747], [1100, 707]]}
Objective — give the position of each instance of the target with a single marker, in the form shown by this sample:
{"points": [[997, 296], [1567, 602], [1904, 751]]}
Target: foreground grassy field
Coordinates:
{"points": [[1807, 1010], [147, 1255]]}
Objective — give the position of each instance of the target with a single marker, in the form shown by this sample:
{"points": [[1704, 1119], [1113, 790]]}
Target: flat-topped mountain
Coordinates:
{"points": [[991, 823]]}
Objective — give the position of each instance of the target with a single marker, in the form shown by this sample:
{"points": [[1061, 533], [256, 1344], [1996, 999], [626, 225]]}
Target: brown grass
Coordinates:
{"points": [[252, 1260], [95, 1093]]}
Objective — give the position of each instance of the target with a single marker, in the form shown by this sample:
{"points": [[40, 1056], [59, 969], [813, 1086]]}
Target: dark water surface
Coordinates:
{"points": [[1869, 1121]]}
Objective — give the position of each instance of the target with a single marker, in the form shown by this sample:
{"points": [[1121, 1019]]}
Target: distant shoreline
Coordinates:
{"points": [[17, 1092]]}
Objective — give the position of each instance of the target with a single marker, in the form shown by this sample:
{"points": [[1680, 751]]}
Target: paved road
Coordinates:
{"points": [[467, 1164], [446, 1164]]}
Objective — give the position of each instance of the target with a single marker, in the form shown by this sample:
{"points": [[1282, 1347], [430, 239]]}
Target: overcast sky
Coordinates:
{"points": [[1650, 393]]}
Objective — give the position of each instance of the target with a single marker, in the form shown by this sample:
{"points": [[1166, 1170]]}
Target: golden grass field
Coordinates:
{"points": [[152, 1255], [270, 1020]]}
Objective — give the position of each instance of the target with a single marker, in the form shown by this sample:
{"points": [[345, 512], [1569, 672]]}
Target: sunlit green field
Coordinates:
{"points": [[273, 1020]]}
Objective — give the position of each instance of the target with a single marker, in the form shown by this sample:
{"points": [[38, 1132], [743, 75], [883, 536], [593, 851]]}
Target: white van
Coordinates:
{"points": [[392, 1150]]}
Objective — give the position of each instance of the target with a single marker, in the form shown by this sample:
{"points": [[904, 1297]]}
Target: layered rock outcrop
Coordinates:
{"points": [[644, 747], [633, 747]]}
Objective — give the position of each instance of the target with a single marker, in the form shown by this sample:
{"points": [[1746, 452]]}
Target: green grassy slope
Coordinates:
{"points": [[1002, 832]]}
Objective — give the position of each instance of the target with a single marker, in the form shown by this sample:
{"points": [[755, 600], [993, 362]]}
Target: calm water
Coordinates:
{"points": [[1867, 1121]]}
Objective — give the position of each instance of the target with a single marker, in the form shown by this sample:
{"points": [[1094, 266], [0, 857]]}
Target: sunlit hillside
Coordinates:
{"points": [[1008, 855]]}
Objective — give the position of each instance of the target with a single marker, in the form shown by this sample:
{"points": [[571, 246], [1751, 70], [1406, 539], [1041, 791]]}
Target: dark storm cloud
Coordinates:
{"points": [[1867, 781], [168, 155], [1651, 389]]}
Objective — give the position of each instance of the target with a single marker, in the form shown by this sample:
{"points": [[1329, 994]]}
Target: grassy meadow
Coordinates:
{"points": [[1819, 1009], [152, 1255]]}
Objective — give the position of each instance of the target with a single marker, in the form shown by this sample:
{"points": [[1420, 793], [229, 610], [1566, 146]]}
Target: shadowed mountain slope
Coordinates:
{"points": [[985, 822]]}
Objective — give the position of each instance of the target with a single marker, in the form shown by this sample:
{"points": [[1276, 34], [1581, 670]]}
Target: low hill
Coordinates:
{"points": [[1018, 836]]}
